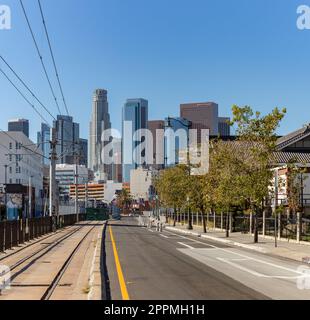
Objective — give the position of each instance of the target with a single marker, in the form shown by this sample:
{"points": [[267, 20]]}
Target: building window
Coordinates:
{"points": [[10, 170], [11, 146]]}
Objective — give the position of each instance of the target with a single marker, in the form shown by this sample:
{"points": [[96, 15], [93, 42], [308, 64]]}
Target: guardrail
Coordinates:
{"points": [[14, 233]]}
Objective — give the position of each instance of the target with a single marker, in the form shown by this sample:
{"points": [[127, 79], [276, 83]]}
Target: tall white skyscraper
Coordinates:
{"points": [[100, 121]]}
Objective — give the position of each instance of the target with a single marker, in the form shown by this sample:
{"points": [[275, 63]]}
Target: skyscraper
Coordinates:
{"points": [[176, 139], [83, 151], [100, 121], [43, 139], [224, 126], [202, 115], [135, 114], [68, 138], [117, 160], [153, 126], [19, 125]]}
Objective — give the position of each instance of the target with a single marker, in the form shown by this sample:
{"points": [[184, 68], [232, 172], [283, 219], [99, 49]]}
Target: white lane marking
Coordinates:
{"points": [[186, 245], [150, 230], [162, 235], [206, 244], [254, 273], [240, 255]]}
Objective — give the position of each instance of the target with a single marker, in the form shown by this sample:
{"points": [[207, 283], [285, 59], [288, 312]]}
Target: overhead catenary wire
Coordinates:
{"points": [[24, 147], [40, 56], [53, 57], [24, 97], [27, 87]]}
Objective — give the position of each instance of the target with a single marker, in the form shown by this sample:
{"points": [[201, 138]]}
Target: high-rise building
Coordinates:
{"points": [[83, 152], [202, 115], [19, 125], [68, 139], [224, 126], [135, 114], [176, 139], [43, 142], [117, 160], [153, 126], [100, 121]]}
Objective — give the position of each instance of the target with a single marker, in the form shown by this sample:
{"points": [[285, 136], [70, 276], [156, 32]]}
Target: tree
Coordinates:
{"points": [[257, 136], [225, 178], [172, 188], [124, 199]]}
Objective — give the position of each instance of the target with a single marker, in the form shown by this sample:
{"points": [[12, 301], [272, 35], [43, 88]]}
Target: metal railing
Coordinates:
{"points": [[14, 233]]}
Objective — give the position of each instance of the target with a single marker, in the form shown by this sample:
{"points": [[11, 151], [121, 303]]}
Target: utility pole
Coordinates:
{"points": [[76, 189], [86, 195], [52, 195], [5, 189], [30, 197]]}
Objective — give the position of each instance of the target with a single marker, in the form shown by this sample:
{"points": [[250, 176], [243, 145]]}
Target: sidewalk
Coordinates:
{"points": [[285, 249]]}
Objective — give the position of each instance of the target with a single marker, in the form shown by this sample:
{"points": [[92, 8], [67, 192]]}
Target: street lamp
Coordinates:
{"points": [[187, 125]]}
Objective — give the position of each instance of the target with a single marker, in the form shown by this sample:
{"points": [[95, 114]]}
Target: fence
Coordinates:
{"points": [[281, 226], [14, 233]]}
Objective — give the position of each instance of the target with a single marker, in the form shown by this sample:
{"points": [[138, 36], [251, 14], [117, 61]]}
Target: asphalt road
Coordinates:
{"points": [[144, 264]]}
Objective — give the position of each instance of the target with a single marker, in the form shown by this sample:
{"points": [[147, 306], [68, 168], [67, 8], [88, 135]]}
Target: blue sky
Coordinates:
{"points": [[167, 51]]}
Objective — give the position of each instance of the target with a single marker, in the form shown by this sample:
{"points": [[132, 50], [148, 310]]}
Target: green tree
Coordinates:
{"points": [[124, 200], [257, 138], [172, 188]]}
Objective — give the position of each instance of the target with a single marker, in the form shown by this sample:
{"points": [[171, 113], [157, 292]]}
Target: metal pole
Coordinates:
{"points": [[52, 191], [76, 191], [86, 195], [30, 197], [5, 189]]}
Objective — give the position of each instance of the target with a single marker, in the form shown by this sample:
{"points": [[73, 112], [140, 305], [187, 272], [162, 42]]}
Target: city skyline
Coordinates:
{"points": [[177, 74]]}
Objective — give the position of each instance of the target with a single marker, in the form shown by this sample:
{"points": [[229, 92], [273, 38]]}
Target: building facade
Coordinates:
{"points": [[203, 115], [176, 139], [140, 184], [224, 126], [117, 161], [65, 176], [100, 121], [154, 126], [83, 152], [43, 142], [68, 139], [135, 117], [19, 125], [20, 166]]}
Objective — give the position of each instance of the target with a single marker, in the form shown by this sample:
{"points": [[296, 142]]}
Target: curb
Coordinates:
{"points": [[95, 277], [230, 242]]}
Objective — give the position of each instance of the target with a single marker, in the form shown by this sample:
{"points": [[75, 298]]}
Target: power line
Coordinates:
{"points": [[40, 56], [24, 97], [52, 55], [26, 148], [24, 84]]}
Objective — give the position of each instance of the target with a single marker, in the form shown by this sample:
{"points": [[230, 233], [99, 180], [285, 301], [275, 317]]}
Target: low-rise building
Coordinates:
{"points": [[140, 183], [21, 164], [65, 177]]}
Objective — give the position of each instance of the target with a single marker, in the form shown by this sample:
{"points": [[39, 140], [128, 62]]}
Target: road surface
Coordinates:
{"points": [[145, 264]]}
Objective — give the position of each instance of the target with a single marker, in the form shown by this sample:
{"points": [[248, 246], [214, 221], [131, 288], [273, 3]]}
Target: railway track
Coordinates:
{"points": [[54, 283], [38, 254], [33, 243]]}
